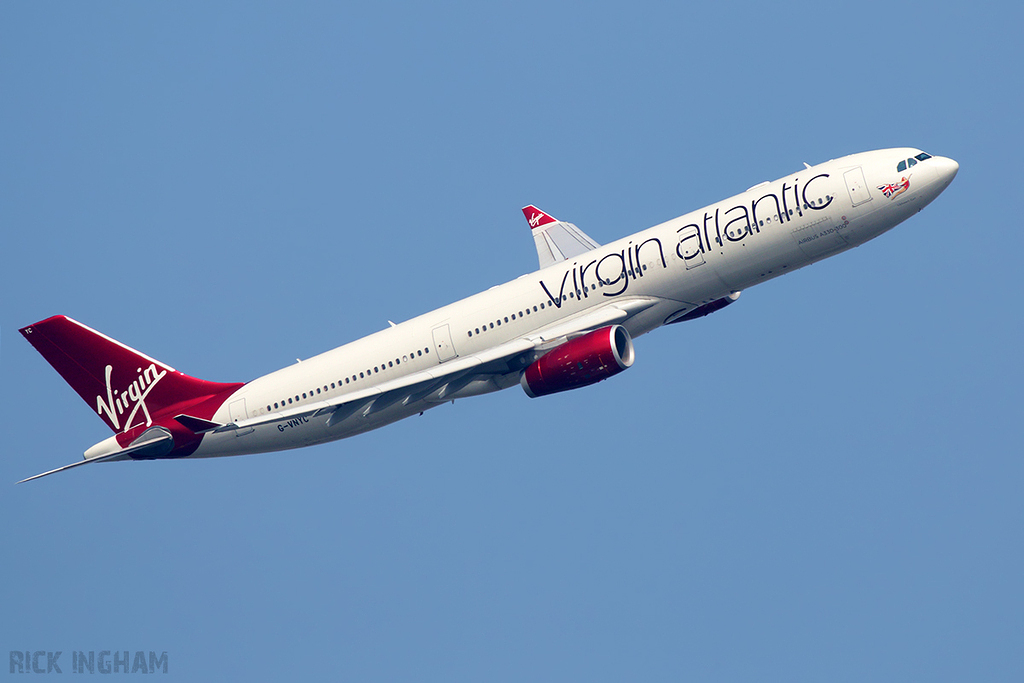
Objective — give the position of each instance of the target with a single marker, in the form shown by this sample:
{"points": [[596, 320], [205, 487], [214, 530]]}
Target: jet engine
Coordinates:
{"points": [[579, 362]]}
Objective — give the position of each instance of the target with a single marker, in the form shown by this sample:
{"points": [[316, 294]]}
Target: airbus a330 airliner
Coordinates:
{"points": [[567, 325]]}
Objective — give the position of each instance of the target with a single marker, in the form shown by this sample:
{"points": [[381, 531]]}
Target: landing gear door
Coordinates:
{"points": [[443, 345]]}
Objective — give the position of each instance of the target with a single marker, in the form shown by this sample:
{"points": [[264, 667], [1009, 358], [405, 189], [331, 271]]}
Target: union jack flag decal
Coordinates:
{"points": [[895, 189]]}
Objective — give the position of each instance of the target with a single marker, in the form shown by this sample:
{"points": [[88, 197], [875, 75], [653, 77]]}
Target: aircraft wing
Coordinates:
{"points": [[556, 240], [449, 377]]}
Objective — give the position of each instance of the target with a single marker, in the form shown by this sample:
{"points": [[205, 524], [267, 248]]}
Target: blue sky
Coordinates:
{"points": [[821, 482]]}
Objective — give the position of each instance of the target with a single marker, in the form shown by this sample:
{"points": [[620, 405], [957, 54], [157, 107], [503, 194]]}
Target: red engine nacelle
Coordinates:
{"points": [[581, 362]]}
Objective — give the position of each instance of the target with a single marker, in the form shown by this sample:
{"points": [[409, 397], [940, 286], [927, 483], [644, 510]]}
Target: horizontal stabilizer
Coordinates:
{"points": [[153, 443], [556, 240], [197, 425], [74, 464]]}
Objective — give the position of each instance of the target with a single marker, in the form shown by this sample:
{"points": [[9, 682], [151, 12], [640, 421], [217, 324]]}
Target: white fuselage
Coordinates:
{"points": [[669, 269]]}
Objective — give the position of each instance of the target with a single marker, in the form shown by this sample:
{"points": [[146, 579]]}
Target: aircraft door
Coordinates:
{"points": [[237, 412], [689, 248], [443, 346], [857, 186]]}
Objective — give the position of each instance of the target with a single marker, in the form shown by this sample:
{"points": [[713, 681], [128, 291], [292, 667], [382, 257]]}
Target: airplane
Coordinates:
{"points": [[567, 325]]}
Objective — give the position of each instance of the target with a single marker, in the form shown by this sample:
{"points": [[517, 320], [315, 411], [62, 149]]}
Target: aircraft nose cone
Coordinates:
{"points": [[946, 169]]}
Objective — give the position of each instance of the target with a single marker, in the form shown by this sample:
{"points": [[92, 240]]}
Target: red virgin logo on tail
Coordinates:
{"points": [[132, 399], [535, 217]]}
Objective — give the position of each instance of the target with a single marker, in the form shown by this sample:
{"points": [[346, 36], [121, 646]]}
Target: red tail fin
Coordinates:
{"points": [[535, 217], [126, 388]]}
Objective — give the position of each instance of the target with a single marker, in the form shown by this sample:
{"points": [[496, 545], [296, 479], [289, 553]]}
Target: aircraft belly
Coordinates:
{"points": [[302, 432], [760, 258]]}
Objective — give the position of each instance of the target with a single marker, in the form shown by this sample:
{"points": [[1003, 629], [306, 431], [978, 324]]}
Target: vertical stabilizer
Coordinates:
{"points": [[127, 389]]}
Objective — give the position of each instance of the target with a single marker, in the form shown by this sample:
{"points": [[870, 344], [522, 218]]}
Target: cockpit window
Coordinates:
{"points": [[907, 163]]}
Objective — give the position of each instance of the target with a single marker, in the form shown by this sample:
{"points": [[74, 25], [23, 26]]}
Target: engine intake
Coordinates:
{"points": [[580, 362]]}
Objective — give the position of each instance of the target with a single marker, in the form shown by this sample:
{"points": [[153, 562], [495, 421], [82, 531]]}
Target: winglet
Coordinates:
{"points": [[536, 218], [556, 240]]}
